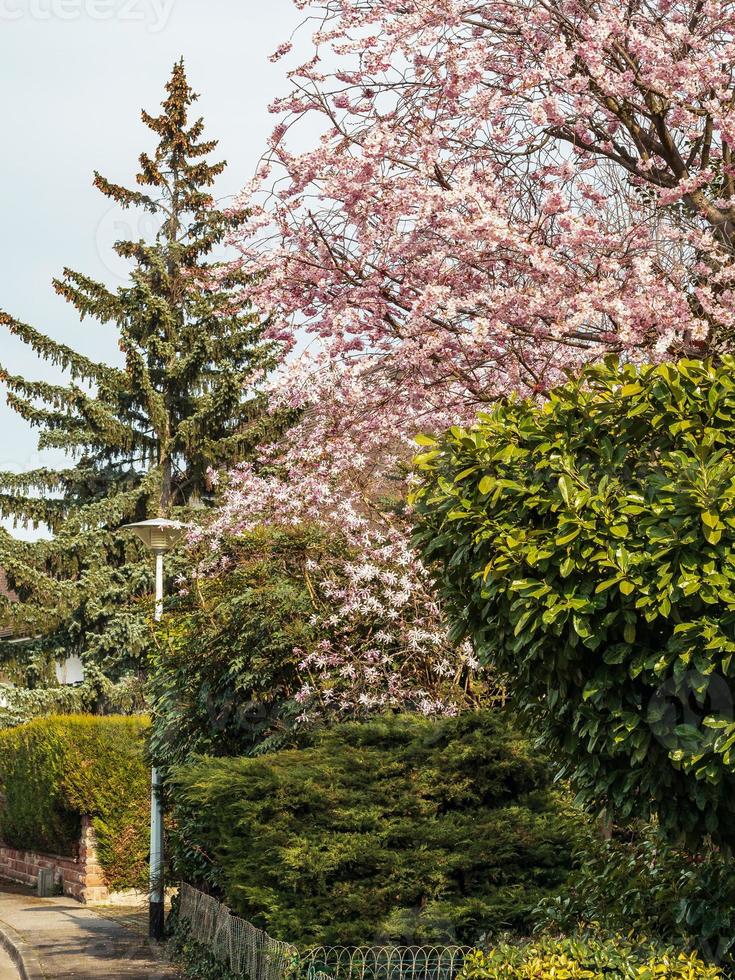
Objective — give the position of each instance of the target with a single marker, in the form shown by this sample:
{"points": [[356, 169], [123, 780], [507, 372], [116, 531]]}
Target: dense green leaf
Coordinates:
{"points": [[56, 770], [401, 830], [603, 588]]}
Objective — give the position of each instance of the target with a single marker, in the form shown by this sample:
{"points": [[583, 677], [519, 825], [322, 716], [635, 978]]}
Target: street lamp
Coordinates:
{"points": [[160, 535]]}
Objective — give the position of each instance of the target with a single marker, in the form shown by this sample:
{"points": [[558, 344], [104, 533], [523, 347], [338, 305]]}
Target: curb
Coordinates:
{"points": [[21, 954]]}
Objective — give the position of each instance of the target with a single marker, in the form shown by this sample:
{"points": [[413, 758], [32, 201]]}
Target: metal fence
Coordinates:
{"points": [[234, 942], [385, 962], [250, 952]]}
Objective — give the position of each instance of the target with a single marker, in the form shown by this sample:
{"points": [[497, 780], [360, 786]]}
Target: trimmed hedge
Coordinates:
{"points": [[54, 771], [401, 830], [588, 957]]}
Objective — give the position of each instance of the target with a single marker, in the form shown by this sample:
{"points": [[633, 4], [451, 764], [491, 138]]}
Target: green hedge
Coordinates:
{"points": [[54, 771], [400, 830], [588, 957]]}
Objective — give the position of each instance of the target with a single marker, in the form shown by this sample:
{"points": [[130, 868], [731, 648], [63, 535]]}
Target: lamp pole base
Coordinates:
{"points": [[156, 922]]}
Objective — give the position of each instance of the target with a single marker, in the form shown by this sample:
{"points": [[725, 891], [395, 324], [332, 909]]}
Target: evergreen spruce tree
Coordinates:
{"points": [[141, 438]]}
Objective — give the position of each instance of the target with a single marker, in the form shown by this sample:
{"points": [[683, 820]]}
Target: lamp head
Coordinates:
{"points": [[159, 534]]}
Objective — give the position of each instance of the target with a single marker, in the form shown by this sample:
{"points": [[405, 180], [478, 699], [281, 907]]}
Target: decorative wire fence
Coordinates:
{"points": [[250, 952], [384, 962]]}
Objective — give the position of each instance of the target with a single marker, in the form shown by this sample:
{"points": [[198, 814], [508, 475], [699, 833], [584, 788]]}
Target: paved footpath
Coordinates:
{"points": [[58, 938], [7, 967]]}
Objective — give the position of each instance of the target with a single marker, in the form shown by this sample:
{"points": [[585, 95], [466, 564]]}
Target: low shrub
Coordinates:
{"points": [[402, 830], [684, 899], [587, 957], [54, 771], [197, 960]]}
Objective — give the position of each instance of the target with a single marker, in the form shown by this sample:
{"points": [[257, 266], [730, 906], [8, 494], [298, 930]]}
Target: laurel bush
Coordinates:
{"points": [[585, 544], [637, 878]]}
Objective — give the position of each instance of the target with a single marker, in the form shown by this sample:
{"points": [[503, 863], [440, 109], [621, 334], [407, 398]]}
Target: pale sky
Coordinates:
{"points": [[74, 75]]}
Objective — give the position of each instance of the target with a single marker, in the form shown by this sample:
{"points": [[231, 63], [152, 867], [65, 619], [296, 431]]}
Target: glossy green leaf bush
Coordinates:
{"points": [[586, 546], [636, 877], [54, 771], [401, 830], [586, 958]]}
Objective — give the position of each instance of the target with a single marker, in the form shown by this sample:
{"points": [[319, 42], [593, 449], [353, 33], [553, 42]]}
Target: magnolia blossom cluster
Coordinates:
{"points": [[499, 191], [381, 642], [385, 646]]}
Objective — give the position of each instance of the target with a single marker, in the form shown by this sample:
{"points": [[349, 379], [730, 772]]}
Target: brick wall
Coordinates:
{"points": [[82, 877]]}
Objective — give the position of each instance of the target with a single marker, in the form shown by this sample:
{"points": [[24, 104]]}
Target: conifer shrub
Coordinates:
{"points": [[54, 771], [400, 830]]}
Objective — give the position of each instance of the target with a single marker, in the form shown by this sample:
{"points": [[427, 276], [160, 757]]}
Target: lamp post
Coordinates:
{"points": [[160, 536]]}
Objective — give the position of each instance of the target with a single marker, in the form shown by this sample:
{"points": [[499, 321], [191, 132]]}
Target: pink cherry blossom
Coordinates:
{"points": [[498, 192]]}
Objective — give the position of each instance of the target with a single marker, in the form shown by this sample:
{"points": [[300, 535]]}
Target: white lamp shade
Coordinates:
{"points": [[159, 534]]}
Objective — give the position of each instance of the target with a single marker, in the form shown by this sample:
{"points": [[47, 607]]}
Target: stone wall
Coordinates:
{"points": [[81, 877]]}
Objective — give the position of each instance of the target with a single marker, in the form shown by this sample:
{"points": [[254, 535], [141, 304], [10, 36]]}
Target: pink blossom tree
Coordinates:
{"points": [[501, 189], [501, 186]]}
